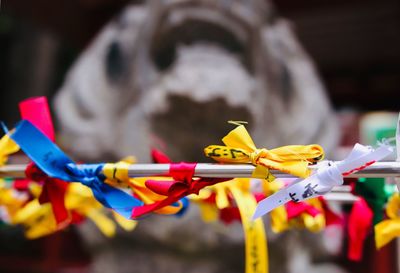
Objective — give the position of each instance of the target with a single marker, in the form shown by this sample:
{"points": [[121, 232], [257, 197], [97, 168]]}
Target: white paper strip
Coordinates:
{"points": [[324, 179]]}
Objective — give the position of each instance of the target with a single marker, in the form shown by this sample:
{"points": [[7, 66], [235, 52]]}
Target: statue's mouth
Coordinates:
{"points": [[188, 126]]}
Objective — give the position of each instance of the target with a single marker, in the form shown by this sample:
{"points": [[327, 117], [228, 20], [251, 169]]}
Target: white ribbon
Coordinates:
{"points": [[328, 175]]}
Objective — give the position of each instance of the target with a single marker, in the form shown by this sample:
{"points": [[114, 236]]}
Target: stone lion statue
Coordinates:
{"points": [[170, 74]]}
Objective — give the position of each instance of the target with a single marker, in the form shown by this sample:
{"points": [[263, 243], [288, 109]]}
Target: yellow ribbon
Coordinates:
{"points": [[255, 236], [309, 222], [240, 148], [389, 229], [8, 198], [254, 231], [208, 211], [7, 147], [11, 201], [39, 221]]}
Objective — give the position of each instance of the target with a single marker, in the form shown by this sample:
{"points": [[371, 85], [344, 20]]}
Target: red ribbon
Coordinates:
{"points": [[331, 218], [182, 185], [36, 110], [295, 209], [360, 222]]}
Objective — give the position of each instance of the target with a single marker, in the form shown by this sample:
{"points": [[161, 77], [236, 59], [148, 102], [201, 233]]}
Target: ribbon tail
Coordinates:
{"points": [[36, 110], [116, 199], [255, 236], [386, 231], [143, 210], [360, 220], [54, 193]]}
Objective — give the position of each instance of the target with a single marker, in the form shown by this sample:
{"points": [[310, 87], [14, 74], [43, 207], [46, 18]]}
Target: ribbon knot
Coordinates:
{"points": [[88, 175], [240, 148], [257, 154], [33, 173]]}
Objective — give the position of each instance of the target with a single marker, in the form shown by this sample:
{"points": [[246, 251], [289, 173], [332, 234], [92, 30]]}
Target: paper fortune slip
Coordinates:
{"points": [[329, 175]]}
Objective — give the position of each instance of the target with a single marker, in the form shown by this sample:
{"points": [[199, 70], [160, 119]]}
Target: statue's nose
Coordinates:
{"points": [[187, 127]]}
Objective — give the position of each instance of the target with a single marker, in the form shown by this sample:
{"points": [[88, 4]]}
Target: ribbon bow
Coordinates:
{"points": [[240, 148], [182, 185], [51, 160], [117, 175], [389, 229], [327, 176]]}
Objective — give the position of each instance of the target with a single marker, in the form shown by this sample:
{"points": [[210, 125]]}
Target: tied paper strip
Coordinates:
{"points": [[50, 159], [327, 176], [240, 148]]}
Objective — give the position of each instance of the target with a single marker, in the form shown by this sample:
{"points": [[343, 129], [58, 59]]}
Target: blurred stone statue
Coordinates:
{"points": [[170, 74]]}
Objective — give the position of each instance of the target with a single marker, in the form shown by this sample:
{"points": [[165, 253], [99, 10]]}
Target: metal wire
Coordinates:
{"points": [[378, 169]]}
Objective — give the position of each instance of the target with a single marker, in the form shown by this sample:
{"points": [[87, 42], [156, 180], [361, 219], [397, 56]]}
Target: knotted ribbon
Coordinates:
{"points": [[322, 181], [117, 175], [182, 185], [240, 148], [51, 160]]}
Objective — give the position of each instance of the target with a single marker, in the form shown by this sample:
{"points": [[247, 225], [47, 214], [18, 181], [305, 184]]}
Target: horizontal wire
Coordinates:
{"points": [[376, 170]]}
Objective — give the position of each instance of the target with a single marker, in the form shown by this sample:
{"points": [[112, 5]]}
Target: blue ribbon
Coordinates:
{"points": [[185, 207], [55, 163]]}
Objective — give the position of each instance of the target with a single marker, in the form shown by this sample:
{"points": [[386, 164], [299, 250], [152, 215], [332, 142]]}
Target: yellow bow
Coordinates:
{"points": [[389, 229], [240, 148]]}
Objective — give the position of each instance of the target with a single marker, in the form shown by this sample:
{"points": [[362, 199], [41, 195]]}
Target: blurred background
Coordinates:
{"points": [[354, 44]]}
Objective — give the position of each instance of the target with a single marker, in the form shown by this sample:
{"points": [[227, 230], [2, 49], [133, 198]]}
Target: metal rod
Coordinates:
{"points": [[378, 169]]}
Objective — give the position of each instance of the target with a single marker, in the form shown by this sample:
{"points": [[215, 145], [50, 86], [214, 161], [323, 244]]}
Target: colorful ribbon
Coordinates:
{"points": [[36, 110], [240, 148], [236, 202], [360, 222], [329, 175], [50, 159], [182, 185], [117, 175], [376, 193]]}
